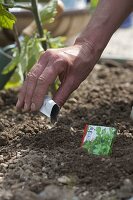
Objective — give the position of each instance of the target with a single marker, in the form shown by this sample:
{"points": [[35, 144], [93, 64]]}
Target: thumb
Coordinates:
{"points": [[63, 92]]}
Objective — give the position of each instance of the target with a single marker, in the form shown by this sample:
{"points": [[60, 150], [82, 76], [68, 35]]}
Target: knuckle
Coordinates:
{"points": [[48, 52], [41, 80], [50, 71], [55, 56], [31, 76], [60, 61], [60, 65], [45, 79], [42, 53], [35, 67]]}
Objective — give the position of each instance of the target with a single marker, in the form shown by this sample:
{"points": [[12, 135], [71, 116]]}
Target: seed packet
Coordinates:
{"points": [[98, 140]]}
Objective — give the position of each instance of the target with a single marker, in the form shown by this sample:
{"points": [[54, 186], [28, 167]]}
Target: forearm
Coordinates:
{"points": [[107, 18]]}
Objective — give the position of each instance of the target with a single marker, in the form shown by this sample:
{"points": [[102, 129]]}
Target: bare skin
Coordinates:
{"points": [[73, 64]]}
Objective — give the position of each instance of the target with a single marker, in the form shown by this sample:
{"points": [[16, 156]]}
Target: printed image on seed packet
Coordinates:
{"points": [[98, 140]]}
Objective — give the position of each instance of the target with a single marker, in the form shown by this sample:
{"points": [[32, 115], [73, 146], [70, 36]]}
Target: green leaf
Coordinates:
{"points": [[33, 50], [7, 3], [23, 57], [14, 62], [16, 80], [104, 132], [57, 42], [9, 67], [98, 130], [56, 84], [7, 19], [24, 60], [48, 13]]}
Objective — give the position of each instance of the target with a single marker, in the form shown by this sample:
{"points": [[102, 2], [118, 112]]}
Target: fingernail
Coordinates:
{"points": [[25, 107], [33, 107]]}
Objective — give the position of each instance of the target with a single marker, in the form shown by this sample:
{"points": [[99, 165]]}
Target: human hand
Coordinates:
{"points": [[71, 64]]}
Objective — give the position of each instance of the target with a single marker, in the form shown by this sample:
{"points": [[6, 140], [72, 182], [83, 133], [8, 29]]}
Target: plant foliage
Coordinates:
{"points": [[47, 14], [7, 19], [30, 47]]}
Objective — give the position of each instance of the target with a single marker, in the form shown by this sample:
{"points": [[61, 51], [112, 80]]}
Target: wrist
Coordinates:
{"points": [[104, 23], [90, 45], [96, 35]]}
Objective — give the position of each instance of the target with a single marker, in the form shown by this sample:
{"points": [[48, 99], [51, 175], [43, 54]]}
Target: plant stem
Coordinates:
{"points": [[38, 22], [16, 37], [23, 7], [6, 54]]}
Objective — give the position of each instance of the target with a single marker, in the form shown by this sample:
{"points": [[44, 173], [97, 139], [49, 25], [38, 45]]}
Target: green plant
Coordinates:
{"points": [[27, 51], [7, 20], [94, 3]]}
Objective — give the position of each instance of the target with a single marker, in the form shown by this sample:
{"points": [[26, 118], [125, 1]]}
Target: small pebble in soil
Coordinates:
{"points": [[4, 165], [72, 100], [64, 180], [54, 149], [1, 179], [1, 159], [126, 190]]}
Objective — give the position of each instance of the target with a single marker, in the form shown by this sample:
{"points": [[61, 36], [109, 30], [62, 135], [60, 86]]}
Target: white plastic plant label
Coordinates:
{"points": [[50, 109]]}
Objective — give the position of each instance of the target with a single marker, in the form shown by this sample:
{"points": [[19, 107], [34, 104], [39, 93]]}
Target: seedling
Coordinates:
{"points": [[28, 47], [98, 140]]}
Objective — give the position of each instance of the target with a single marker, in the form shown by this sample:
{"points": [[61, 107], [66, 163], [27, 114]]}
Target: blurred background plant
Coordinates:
{"points": [[17, 59]]}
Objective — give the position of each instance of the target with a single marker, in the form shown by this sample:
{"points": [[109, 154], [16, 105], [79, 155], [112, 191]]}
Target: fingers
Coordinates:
{"points": [[26, 92], [64, 91], [31, 84], [43, 74], [21, 96], [44, 81], [32, 78], [38, 86]]}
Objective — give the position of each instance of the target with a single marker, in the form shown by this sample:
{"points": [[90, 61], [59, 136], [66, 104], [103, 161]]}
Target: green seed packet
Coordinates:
{"points": [[98, 140]]}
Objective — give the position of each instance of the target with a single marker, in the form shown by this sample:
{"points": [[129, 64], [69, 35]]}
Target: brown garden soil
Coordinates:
{"points": [[40, 161]]}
